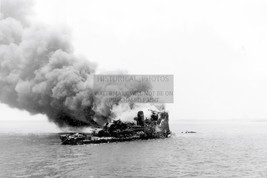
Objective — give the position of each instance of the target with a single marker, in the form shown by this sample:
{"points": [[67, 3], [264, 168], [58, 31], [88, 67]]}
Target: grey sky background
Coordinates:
{"points": [[216, 50]]}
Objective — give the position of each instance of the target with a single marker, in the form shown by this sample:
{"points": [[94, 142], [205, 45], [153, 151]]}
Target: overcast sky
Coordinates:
{"points": [[215, 50]]}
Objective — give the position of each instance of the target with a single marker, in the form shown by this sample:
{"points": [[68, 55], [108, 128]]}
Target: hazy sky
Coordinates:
{"points": [[215, 50]]}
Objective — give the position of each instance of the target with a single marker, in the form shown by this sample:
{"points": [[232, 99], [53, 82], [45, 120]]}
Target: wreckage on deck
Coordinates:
{"points": [[157, 126]]}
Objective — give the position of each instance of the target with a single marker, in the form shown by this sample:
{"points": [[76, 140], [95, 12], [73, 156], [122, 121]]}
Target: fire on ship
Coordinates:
{"points": [[154, 127]]}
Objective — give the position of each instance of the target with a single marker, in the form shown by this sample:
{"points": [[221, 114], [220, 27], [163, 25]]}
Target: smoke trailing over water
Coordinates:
{"points": [[39, 72]]}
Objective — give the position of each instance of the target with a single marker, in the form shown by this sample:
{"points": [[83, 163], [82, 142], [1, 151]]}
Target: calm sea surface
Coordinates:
{"points": [[218, 149]]}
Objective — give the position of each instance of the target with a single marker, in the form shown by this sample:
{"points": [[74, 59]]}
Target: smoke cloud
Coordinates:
{"points": [[39, 73]]}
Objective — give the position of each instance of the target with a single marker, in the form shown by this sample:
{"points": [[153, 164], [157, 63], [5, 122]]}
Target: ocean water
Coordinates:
{"points": [[218, 149]]}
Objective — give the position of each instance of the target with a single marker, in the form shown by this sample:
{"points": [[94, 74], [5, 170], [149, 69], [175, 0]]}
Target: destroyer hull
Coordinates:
{"points": [[98, 140], [153, 128]]}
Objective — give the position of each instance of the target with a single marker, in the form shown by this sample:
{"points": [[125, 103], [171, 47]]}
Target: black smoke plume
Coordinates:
{"points": [[39, 72]]}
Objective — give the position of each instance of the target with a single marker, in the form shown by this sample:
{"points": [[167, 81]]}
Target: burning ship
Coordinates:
{"points": [[155, 127], [41, 74]]}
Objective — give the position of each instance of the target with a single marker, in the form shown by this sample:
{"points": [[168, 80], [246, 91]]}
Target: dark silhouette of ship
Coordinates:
{"points": [[155, 127]]}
